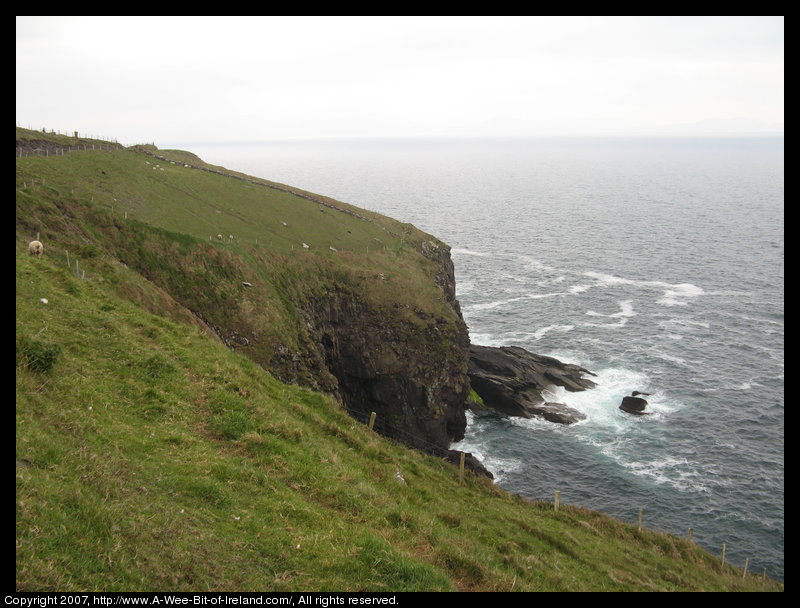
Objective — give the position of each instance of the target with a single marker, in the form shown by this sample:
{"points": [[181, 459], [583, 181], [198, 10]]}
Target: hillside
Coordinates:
{"points": [[192, 384]]}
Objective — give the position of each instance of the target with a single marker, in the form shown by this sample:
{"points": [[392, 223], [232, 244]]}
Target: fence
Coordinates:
{"points": [[70, 134]]}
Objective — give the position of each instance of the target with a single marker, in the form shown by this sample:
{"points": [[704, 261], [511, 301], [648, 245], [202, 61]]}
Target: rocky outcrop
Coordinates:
{"points": [[634, 405], [511, 380]]}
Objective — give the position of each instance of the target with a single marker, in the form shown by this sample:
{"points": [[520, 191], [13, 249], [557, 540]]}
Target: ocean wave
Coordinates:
{"points": [[499, 303], [673, 323], [673, 294], [672, 358], [462, 251], [487, 339], [676, 295], [626, 310], [473, 444], [540, 333], [677, 472]]}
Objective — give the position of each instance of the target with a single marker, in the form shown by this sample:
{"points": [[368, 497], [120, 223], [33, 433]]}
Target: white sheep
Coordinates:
{"points": [[35, 248]]}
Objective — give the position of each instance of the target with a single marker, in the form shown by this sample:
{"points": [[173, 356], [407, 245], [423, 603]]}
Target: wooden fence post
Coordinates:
{"points": [[557, 500], [690, 533], [723, 554], [639, 525], [461, 469], [372, 420], [746, 563]]}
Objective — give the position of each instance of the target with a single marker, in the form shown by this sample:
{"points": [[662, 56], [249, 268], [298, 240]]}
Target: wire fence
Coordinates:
{"points": [[76, 134]]}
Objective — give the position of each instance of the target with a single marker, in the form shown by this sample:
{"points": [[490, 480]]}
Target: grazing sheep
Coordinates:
{"points": [[35, 248]]}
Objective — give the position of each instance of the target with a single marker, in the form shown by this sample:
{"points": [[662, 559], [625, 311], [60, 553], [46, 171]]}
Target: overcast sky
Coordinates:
{"points": [[202, 79]]}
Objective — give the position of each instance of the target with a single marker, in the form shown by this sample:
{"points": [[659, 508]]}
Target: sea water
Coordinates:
{"points": [[658, 264]]}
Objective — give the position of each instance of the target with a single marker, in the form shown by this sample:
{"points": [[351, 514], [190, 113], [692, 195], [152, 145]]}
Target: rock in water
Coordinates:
{"points": [[634, 405], [510, 379]]}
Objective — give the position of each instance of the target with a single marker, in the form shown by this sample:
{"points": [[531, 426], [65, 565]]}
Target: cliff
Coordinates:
{"points": [[315, 291]]}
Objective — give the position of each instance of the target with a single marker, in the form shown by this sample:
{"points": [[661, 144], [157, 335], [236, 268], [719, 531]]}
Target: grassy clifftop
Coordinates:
{"points": [[154, 452]]}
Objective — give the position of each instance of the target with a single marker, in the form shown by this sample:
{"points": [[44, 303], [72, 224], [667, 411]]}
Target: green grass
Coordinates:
{"points": [[151, 456]]}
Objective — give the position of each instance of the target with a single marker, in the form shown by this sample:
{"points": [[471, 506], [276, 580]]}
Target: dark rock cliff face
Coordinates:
{"points": [[409, 367]]}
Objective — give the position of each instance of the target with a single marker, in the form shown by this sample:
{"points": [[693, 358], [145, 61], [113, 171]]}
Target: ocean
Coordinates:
{"points": [[658, 264]]}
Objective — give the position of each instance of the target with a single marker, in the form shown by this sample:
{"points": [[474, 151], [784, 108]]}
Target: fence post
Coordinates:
{"points": [[372, 420], [461, 469], [746, 563], [690, 533], [639, 525], [723, 554], [557, 500]]}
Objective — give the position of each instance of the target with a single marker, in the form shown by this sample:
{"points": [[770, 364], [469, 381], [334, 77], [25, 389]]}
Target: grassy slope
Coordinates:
{"points": [[152, 457], [164, 219]]}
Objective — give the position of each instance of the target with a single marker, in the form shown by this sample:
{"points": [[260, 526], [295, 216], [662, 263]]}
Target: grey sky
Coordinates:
{"points": [[184, 79]]}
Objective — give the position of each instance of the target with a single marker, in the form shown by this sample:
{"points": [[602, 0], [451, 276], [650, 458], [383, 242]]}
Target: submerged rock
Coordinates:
{"points": [[511, 379]]}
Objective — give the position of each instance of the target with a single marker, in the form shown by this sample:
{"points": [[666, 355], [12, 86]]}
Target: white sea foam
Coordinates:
{"points": [[676, 295], [551, 281], [671, 358], [673, 294], [626, 310], [677, 472], [487, 339], [539, 296], [608, 279], [499, 303], [618, 435], [491, 305], [462, 251], [474, 444], [677, 323], [601, 403], [540, 333]]}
